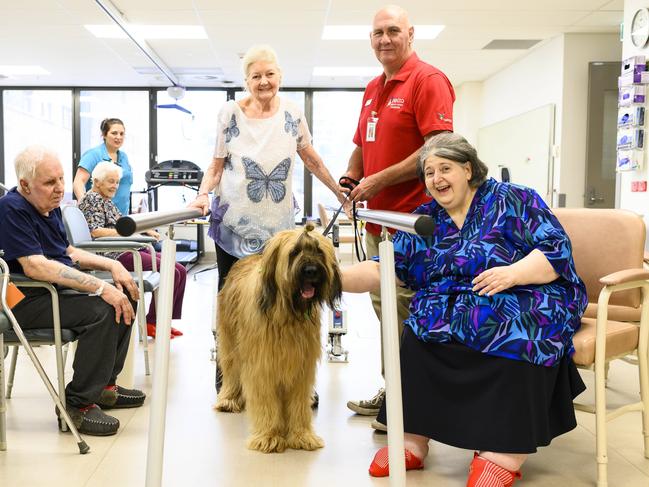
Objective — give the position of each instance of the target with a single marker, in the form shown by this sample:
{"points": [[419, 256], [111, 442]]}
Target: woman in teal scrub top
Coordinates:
{"points": [[112, 131]]}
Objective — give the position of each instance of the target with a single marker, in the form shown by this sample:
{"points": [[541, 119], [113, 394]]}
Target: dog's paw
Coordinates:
{"points": [[229, 405], [267, 444], [304, 440]]}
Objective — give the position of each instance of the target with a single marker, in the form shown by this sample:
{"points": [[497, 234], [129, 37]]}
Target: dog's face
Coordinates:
{"points": [[300, 267]]}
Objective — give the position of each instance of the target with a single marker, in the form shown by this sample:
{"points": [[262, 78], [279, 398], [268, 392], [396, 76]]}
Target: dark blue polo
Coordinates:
{"points": [[24, 232]]}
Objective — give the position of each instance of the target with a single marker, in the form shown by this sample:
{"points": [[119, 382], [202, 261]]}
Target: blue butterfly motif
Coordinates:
{"points": [[231, 130], [291, 125], [261, 185], [227, 162]]}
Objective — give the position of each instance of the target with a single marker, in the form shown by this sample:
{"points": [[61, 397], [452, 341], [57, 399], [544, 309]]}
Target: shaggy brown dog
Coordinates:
{"points": [[269, 336]]}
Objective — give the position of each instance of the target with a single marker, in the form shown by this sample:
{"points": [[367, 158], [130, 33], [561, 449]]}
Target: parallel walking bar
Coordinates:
{"points": [[407, 222], [127, 226], [130, 224], [418, 224]]}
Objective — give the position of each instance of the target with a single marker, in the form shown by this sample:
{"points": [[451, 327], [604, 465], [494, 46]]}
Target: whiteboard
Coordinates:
{"points": [[522, 144]]}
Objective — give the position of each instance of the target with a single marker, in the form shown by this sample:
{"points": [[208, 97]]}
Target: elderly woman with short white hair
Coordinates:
{"points": [[102, 215]]}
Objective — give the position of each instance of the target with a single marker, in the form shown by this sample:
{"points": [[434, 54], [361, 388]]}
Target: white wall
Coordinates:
{"points": [[638, 202], [531, 82], [467, 110], [555, 72]]}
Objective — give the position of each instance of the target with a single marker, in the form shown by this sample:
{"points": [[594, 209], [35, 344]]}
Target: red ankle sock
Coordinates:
{"points": [[483, 473]]}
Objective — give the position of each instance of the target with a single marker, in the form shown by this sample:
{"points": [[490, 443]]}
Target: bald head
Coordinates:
{"points": [[394, 11], [391, 38]]}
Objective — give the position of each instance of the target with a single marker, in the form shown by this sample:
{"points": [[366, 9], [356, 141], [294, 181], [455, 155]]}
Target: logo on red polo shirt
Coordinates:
{"points": [[395, 102]]}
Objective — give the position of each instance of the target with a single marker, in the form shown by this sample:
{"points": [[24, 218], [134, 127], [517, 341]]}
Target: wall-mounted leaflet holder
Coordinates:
{"points": [[631, 112], [629, 160], [634, 63], [641, 77], [631, 94], [630, 138], [630, 116]]}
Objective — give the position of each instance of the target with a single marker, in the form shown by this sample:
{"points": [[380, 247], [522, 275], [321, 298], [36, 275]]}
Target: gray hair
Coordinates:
{"points": [[454, 147], [103, 169], [28, 160], [260, 52]]}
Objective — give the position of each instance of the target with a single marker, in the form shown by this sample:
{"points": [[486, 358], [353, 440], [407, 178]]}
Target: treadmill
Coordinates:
{"points": [[177, 172]]}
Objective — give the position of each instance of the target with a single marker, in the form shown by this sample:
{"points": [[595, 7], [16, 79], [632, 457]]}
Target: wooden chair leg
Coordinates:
{"points": [[643, 371], [600, 422]]}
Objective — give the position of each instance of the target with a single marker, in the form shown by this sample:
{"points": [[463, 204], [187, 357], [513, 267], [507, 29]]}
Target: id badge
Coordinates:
{"points": [[370, 134]]}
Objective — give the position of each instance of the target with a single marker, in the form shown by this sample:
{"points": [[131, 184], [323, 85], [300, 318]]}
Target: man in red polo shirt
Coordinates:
{"points": [[410, 102]]}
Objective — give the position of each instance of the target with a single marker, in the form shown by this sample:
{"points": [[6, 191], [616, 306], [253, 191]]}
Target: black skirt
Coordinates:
{"points": [[468, 399]]}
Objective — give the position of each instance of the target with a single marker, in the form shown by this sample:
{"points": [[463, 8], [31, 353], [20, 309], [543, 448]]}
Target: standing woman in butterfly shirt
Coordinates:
{"points": [[112, 131], [252, 168]]}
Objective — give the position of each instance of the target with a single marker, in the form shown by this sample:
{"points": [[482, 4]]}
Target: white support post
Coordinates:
{"points": [[155, 451], [396, 456]]}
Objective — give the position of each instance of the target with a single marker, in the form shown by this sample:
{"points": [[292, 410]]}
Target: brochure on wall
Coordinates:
{"points": [[629, 160], [632, 83]]}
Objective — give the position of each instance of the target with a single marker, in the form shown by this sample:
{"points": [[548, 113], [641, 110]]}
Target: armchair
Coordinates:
{"points": [[608, 249]]}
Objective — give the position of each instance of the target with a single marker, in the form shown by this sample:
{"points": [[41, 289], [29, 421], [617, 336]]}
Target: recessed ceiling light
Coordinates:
{"points": [[357, 71], [22, 70], [362, 32], [149, 31]]}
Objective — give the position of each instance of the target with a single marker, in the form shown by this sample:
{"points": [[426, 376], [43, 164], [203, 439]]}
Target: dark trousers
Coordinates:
{"points": [[224, 263], [102, 343]]}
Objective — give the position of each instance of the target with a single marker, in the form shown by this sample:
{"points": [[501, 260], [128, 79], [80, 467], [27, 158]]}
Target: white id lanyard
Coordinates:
{"points": [[370, 134]]}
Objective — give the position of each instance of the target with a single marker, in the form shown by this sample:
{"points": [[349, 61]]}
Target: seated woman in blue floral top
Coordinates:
{"points": [[485, 355]]}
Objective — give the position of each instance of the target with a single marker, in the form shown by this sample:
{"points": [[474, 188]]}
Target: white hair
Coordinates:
{"points": [[104, 168], [28, 160], [259, 52]]}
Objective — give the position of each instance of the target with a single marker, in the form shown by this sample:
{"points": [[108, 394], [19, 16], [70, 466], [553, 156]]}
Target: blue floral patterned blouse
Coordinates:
{"points": [[505, 222]]}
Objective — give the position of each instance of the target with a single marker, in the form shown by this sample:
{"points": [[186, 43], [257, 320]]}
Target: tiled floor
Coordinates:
{"points": [[204, 448]]}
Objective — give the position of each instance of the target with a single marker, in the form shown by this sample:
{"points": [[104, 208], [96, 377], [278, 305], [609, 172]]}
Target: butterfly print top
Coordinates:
{"points": [[254, 197], [505, 222]]}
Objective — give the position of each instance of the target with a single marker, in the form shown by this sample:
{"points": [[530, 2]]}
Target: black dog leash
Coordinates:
{"points": [[349, 183]]}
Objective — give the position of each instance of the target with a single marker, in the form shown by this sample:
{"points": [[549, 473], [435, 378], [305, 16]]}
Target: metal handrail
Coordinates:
{"points": [[140, 222], [422, 225]]}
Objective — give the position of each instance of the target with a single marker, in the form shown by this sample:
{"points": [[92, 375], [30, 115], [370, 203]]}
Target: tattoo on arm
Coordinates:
{"points": [[79, 277]]}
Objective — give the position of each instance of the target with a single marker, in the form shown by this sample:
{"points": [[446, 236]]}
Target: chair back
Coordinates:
{"points": [[76, 225], [324, 216], [605, 241]]}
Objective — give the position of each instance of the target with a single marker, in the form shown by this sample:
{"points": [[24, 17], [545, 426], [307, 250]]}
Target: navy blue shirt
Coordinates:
{"points": [[24, 232]]}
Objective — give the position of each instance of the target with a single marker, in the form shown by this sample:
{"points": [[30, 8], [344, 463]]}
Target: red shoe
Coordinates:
{"points": [[151, 331], [175, 332], [484, 473], [380, 467]]}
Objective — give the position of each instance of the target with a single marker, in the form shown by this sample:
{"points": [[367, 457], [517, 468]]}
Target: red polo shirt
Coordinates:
{"points": [[416, 101]]}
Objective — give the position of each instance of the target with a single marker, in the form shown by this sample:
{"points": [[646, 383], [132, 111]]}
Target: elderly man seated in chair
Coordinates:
{"points": [[35, 244]]}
